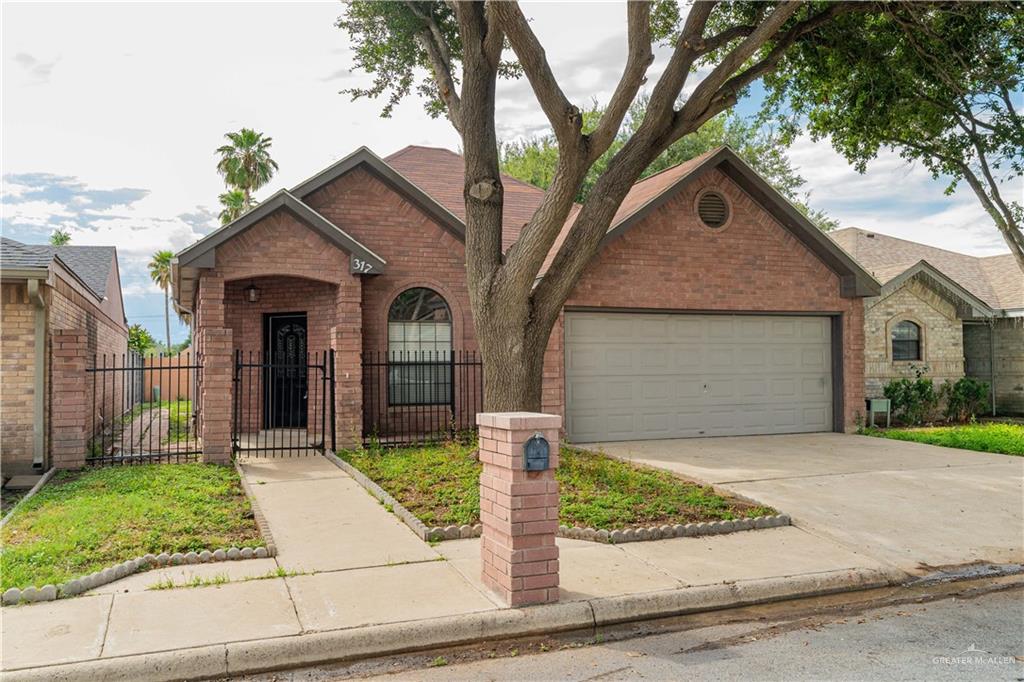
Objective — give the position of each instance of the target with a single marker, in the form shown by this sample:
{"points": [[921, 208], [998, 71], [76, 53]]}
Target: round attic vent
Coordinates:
{"points": [[713, 210]]}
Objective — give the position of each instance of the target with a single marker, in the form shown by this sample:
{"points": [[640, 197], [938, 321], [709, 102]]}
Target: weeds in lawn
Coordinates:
{"points": [[439, 483], [86, 521]]}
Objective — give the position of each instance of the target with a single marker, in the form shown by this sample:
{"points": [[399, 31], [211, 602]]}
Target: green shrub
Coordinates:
{"points": [[965, 399], [913, 400]]}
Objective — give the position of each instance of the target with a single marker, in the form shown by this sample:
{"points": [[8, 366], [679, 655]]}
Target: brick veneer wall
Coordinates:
{"points": [[942, 343], [17, 366], [297, 270], [277, 295], [419, 253], [67, 308], [671, 261]]}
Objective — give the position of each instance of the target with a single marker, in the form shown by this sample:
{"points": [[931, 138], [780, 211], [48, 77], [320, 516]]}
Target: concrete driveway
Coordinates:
{"points": [[909, 505]]}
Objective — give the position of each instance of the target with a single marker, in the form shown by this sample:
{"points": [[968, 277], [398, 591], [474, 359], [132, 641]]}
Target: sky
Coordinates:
{"points": [[111, 113]]}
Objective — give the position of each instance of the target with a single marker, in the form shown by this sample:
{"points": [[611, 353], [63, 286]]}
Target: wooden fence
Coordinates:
{"points": [[173, 376]]}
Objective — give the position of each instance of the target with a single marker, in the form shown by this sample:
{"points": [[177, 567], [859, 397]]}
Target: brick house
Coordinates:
{"points": [[61, 306], [714, 307], [959, 315]]}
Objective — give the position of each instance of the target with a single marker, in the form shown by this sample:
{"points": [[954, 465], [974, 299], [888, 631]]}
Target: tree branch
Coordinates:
{"points": [[431, 39], [640, 56], [565, 119]]}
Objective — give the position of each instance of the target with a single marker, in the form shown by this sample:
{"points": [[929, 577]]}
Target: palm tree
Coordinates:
{"points": [[60, 237], [234, 203], [245, 164], [160, 272]]}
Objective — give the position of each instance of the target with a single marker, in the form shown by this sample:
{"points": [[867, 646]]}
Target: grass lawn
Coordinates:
{"points": [[439, 483], [1007, 439], [81, 522]]}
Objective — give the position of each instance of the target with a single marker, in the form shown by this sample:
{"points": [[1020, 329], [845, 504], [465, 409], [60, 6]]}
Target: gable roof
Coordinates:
{"points": [[652, 192], [90, 264], [440, 173], [200, 254], [996, 280]]}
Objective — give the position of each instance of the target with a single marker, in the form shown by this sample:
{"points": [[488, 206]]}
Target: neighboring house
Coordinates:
{"points": [[47, 291], [958, 314], [713, 308]]}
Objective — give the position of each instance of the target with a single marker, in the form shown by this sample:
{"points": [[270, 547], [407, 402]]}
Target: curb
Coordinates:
{"points": [[321, 648], [32, 491], [616, 536], [257, 513]]}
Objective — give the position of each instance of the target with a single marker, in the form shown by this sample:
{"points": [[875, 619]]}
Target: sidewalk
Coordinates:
{"points": [[353, 565]]}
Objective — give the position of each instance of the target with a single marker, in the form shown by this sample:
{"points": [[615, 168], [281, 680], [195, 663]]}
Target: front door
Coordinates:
{"points": [[285, 376]]}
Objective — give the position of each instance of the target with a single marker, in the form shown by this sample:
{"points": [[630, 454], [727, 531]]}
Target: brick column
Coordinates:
{"points": [[347, 342], [214, 341], [69, 411], [518, 509]]}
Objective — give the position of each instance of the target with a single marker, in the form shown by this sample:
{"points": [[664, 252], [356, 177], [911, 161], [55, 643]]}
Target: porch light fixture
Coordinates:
{"points": [[252, 293]]}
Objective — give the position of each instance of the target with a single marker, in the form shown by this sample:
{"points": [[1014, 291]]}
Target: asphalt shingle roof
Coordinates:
{"points": [[997, 280], [91, 264]]}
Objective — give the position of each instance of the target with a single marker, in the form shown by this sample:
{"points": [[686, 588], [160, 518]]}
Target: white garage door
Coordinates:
{"points": [[634, 376]]}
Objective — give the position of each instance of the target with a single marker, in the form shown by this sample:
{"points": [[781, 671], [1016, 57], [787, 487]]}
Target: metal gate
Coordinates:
{"points": [[141, 411], [283, 403]]}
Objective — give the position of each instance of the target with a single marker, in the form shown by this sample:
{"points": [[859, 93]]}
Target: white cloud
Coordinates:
{"points": [[898, 198]]}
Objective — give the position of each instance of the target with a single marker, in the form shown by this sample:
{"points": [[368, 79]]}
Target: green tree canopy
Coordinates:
{"points": [[535, 159], [60, 237], [160, 273], [234, 203], [941, 85], [245, 162], [139, 339]]}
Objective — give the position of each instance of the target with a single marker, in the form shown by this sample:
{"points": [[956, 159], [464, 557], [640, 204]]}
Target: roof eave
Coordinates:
{"points": [[365, 157], [854, 281]]}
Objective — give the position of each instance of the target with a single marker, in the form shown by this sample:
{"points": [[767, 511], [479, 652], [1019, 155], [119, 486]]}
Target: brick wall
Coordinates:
{"points": [[942, 343], [17, 366], [671, 261], [67, 308], [419, 253]]}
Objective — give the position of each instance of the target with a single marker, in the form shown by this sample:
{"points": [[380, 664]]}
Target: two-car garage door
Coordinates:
{"points": [[637, 375]]}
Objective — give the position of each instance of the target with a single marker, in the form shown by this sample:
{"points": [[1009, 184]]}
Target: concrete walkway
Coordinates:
{"points": [[351, 563], [909, 505]]}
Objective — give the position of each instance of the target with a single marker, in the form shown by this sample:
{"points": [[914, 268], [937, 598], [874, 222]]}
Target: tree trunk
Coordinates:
{"points": [[167, 318], [513, 355]]}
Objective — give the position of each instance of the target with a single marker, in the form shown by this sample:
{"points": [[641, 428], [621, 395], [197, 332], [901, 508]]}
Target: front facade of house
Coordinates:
{"points": [[953, 314], [51, 296], [713, 308]]}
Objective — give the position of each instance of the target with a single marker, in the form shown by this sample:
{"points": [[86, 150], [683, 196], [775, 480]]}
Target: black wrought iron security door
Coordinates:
{"points": [[286, 383]]}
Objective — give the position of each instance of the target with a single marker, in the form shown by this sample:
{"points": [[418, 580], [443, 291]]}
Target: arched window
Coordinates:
{"points": [[906, 341], [419, 348]]}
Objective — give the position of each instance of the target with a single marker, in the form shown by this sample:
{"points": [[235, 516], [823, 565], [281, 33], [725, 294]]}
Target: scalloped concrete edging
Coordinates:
{"points": [[339, 646], [407, 517], [108, 575], [32, 491], [617, 536], [257, 513]]}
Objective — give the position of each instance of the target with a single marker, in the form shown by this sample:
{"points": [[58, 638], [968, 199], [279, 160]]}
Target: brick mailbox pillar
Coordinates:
{"points": [[518, 508]]}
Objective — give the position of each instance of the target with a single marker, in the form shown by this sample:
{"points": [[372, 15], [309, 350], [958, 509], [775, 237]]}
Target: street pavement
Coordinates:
{"points": [[953, 639]]}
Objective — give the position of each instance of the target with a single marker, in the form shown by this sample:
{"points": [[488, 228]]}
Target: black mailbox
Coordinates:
{"points": [[536, 453]]}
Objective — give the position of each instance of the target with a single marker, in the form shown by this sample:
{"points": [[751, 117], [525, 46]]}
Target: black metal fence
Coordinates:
{"points": [[415, 397], [283, 403], [141, 409]]}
